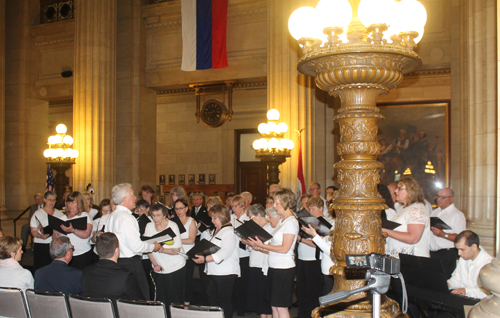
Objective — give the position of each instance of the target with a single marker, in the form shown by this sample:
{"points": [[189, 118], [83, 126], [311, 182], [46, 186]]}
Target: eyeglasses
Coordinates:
{"points": [[180, 209], [235, 205], [442, 197], [312, 189], [401, 188]]}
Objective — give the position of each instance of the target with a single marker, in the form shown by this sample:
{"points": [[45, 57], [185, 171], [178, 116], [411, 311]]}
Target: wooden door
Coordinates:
{"points": [[253, 178]]}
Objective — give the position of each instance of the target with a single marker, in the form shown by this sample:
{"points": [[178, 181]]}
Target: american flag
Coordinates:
{"points": [[49, 186]]}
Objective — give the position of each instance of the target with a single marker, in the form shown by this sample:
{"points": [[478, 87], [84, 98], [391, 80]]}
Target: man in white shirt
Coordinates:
{"points": [[442, 246], [465, 278], [124, 225]]}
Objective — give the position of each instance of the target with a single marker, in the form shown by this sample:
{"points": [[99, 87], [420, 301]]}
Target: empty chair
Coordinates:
{"points": [[46, 304], [140, 308], [12, 303], [87, 307], [191, 311]]}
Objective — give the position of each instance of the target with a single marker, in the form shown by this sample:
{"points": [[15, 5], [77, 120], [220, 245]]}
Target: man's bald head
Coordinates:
{"points": [[445, 198]]}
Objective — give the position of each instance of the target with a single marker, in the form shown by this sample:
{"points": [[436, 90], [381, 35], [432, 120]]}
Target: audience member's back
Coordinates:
{"points": [[58, 276], [106, 278]]}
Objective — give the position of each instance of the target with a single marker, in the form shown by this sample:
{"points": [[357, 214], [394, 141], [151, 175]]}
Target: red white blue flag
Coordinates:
{"points": [[49, 180], [301, 184], [204, 24]]}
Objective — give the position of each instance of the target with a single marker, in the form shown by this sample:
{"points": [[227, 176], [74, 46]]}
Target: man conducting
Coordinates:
{"points": [[123, 224]]}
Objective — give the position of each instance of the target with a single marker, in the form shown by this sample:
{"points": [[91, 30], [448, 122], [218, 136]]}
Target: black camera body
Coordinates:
{"points": [[375, 261]]}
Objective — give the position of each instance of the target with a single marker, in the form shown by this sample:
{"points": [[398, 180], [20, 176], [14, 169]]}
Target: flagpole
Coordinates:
{"points": [[301, 187]]}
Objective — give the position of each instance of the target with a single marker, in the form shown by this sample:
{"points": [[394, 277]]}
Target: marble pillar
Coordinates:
{"points": [[26, 117], [94, 96], [480, 119], [301, 104], [2, 105], [136, 115]]}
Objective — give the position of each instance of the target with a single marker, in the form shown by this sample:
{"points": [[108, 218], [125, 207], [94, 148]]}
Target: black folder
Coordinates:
{"points": [[46, 230], [321, 225], [78, 223], [440, 224], [178, 221], [142, 221], [204, 248], [205, 222], [164, 236], [386, 224], [252, 229]]}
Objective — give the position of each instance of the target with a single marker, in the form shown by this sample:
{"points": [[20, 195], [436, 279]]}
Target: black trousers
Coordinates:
{"points": [[41, 255], [170, 287], [134, 265], [241, 287], [309, 286], [220, 291], [146, 265], [327, 284], [188, 292], [82, 261], [448, 258]]}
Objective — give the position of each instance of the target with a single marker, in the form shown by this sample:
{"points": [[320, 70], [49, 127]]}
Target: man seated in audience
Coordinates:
{"points": [[465, 278], [58, 276], [106, 278], [442, 247]]}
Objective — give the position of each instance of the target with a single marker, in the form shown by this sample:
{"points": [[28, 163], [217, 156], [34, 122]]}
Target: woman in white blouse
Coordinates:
{"points": [[223, 267], [169, 266], [181, 208], [12, 274], [281, 272], [413, 235], [75, 208], [258, 263]]}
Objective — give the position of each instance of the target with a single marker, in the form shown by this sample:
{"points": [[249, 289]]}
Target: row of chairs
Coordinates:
{"points": [[45, 304]]}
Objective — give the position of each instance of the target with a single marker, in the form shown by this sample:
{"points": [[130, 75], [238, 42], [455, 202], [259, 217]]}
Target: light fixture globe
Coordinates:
{"points": [[263, 128], [61, 129], [68, 140], [302, 23], [332, 13], [282, 128], [376, 11], [57, 139], [409, 15], [273, 114], [74, 154], [272, 127]]}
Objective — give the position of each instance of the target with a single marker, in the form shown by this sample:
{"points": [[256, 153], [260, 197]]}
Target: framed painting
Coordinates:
{"points": [[182, 179], [171, 179], [191, 179], [415, 141]]}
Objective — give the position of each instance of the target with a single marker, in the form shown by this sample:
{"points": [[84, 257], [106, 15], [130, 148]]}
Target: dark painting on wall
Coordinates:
{"points": [[415, 141]]}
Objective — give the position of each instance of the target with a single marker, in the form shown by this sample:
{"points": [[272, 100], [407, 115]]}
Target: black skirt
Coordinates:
{"points": [[279, 286], [256, 301]]}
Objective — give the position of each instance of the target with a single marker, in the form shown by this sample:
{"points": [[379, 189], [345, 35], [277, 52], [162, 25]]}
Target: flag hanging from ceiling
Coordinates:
{"points": [[204, 24], [49, 180], [301, 185]]}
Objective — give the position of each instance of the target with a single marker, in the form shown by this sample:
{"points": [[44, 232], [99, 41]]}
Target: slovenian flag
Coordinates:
{"points": [[204, 24]]}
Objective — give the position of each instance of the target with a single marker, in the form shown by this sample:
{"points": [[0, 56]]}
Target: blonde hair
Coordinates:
{"points": [[9, 245], [286, 198], [414, 190], [214, 201], [80, 202], [221, 212], [315, 201]]}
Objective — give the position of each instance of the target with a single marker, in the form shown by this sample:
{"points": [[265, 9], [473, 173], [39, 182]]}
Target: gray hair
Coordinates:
{"points": [[257, 209], [271, 211], [59, 246], [120, 192], [248, 195]]}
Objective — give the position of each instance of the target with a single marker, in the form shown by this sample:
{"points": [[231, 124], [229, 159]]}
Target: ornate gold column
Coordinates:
{"points": [[358, 72], [95, 95]]}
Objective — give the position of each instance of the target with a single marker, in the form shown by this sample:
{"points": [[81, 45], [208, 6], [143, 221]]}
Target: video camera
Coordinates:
{"points": [[375, 261]]}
